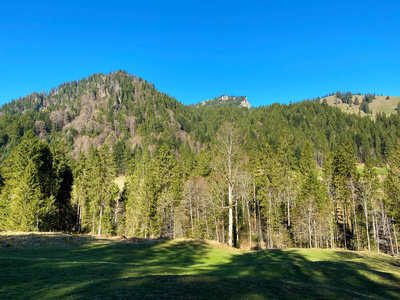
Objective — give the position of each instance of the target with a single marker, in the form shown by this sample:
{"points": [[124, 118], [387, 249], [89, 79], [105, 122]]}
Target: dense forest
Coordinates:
{"points": [[298, 175]]}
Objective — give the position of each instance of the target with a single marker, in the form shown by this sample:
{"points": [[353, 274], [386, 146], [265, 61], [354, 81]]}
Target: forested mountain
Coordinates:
{"points": [[275, 176]]}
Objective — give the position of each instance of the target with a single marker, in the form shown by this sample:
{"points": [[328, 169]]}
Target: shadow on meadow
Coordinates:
{"points": [[188, 269], [289, 274]]}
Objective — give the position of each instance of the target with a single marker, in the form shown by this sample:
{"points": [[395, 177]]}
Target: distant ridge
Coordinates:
{"points": [[225, 100], [352, 103]]}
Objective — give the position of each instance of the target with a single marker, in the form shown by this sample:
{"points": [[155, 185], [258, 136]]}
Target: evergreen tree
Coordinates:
{"points": [[140, 194], [307, 163], [344, 175], [61, 187], [369, 185], [28, 183], [164, 176], [79, 192], [101, 191], [392, 185]]}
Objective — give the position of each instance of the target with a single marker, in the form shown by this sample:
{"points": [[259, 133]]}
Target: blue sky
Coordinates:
{"points": [[269, 51]]}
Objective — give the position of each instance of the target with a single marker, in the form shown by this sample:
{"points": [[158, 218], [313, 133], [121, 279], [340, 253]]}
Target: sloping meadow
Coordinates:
{"points": [[75, 267]]}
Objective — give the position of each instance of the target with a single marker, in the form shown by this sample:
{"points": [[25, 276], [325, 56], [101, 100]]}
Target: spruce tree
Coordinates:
{"points": [[28, 183], [392, 185], [344, 174]]}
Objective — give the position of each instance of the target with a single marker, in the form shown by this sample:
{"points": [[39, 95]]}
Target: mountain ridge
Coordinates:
{"points": [[125, 111], [240, 101]]}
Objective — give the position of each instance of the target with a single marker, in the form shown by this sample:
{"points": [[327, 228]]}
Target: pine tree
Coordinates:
{"points": [[344, 174], [392, 185], [139, 196], [369, 185], [164, 176], [79, 192], [26, 204], [29, 176], [286, 162], [101, 191], [307, 163], [61, 187], [311, 198]]}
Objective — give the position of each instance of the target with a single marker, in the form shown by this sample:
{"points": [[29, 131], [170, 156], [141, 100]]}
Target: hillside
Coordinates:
{"points": [[378, 105], [104, 268], [125, 111], [62, 151]]}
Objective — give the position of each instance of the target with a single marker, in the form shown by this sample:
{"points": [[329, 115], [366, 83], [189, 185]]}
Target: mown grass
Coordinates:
{"points": [[194, 270]]}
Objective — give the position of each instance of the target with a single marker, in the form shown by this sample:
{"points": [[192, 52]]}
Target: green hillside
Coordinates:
{"points": [[195, 269], [381, 104], [278, 176]]}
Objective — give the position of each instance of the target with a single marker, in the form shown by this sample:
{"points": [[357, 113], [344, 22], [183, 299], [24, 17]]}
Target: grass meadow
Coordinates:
{"points": [[189, 269]]}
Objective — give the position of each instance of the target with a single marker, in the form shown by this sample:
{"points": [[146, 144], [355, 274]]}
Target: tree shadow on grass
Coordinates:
{"points": [[174, 270], [54, 272], [292, 275]]}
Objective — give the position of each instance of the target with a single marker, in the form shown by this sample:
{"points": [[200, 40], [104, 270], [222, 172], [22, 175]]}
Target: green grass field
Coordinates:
{"points": [[185, 269]]}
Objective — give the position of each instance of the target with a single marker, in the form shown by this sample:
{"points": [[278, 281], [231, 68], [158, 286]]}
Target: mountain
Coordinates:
{"points": [[125, 111], [225, 100], [186, 171], [91, 111]]}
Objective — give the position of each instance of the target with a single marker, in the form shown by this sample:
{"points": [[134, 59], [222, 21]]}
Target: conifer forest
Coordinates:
{"points": [[304, 175]]}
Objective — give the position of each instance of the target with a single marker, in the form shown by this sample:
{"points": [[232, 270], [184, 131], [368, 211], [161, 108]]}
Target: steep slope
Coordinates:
{"points": [[101, 108]]}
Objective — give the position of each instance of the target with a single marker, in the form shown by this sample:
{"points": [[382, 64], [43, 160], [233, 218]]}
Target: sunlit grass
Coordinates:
{"points": [[194, 269]]}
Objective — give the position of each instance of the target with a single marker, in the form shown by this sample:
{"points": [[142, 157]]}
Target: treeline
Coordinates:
{"points": [[262, 198], [276, 176]]}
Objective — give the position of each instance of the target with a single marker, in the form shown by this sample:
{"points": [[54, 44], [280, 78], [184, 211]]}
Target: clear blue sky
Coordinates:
{"points": [[269, 51]]}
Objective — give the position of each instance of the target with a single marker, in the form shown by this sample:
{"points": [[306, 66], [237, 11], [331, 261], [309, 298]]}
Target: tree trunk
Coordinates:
{"points": [[237, 224], [248, 218], [366, 222], [101, 215], [355, 217], [331, 229], [255, 207], [78, 219], [315, 235], [395, 239], [230, 224], [223, 231], [344, 227], [93, 229], [376, 233], [191, 212], [259, 227], [309, 228], [216, 224], [288, 208]]}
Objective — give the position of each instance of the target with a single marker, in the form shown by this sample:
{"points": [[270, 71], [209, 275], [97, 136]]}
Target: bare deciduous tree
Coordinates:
{"points": [[227, 161]]}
